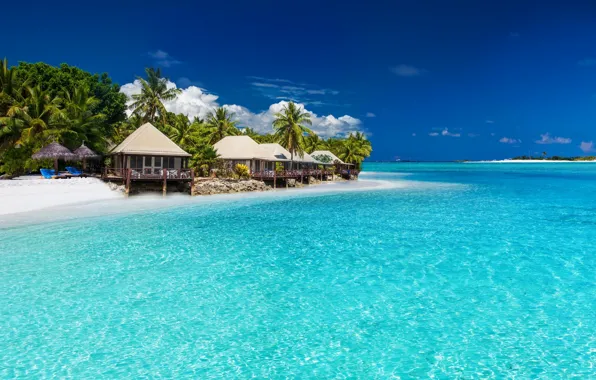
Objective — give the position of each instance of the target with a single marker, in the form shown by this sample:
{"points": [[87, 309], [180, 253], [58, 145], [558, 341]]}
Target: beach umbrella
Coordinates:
{"points": [[83, 153], [55, 152]]}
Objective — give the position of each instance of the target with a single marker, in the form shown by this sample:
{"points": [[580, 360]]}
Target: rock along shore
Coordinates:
{"points": [[213, 186]]}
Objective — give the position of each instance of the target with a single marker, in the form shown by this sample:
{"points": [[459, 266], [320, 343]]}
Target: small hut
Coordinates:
{"points": [[84, 153], [55, 152]]}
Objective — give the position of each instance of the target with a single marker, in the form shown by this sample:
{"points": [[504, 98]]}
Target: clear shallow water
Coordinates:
{"points": [[493, 276]]}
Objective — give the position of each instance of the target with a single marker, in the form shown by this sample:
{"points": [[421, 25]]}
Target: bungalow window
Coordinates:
{"points": [[136, 162], [168, 163]]}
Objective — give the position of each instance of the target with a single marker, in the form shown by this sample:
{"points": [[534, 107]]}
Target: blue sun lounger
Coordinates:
{"points": [[47, 173], [74, 171]]}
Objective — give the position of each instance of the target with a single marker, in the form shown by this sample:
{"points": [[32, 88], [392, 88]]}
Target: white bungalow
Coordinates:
{"points": [[260, 157], [148, 151]]}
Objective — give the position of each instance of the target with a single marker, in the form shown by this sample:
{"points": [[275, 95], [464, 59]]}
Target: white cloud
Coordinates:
{"points": [[547, 139], [492, 134], [370, 114], [162, 58], [508, 140], [194, 101], [407, 71], [587, 146], [273, 88], [445, 132], [268, 85], [413, 135]]}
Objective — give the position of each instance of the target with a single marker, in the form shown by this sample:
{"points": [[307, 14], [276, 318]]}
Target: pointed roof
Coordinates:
{"points": [[149, 140], [326, 153], [309, 159], [84, 152], [273, 152], [236, 148], [54, 151]]}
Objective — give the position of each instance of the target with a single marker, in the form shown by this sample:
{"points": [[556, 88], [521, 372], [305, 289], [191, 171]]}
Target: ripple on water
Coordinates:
{"points": [[427, 280]]}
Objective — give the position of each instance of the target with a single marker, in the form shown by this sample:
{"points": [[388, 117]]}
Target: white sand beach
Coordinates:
{"points": [[31, 193]]}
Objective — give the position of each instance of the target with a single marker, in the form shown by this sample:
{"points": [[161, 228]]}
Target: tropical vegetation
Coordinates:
{"points": [[40, 104]]}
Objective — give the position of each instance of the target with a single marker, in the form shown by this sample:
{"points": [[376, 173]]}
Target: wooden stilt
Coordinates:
{"points": [[128, 175], [274, 179], [165, 182], [192, 179]]}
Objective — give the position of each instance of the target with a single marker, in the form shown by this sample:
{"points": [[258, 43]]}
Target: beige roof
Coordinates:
{"points": [[245, 148], [150, 141], [273, 152], [236, 148]]}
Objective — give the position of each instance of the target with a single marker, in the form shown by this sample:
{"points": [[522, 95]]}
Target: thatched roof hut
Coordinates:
{"points": [[54, 151], [83, 152]]}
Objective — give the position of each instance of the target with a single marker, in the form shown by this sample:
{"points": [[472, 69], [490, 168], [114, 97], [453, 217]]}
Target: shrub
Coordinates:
{"points": [[279, 167], [242, 171], [204, 170]]}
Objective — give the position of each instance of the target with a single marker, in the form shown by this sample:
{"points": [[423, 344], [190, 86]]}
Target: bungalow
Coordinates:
{"points": [[345, 169], [148, 155], [260, 157]]}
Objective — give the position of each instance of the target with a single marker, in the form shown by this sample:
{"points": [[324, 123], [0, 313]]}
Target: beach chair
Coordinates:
{"points": [[47, 173], [75, 172]]}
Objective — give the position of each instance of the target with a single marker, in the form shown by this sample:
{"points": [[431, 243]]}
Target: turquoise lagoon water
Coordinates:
{"points": [[462, 271]]}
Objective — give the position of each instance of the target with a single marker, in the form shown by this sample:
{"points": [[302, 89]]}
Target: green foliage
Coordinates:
{"points": [[40, 103], [279, 167], [204, 170], [313, 142], [149, 103], [220, 123], [324, 158], [111, 102], [242, 171], [289, 128]]}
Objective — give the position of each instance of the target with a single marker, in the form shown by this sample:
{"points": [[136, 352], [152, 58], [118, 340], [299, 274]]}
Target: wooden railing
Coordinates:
{"points": [[298, 173], [147, 173]]}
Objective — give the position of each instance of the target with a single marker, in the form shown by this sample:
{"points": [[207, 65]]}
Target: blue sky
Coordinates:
{"points": [[427, 80]]}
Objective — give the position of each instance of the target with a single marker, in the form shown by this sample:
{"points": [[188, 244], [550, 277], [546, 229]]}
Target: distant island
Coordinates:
{"points": [[554, 158]]}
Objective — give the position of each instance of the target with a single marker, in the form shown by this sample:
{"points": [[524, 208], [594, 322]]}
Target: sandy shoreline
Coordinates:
{"points": [[31, 193], [32, 200]]}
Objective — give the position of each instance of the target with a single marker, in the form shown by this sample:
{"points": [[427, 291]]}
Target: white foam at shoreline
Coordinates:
{"points": [[75, 202]]}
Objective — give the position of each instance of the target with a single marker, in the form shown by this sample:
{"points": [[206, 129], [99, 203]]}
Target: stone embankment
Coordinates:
{"points": [[226, 186]]}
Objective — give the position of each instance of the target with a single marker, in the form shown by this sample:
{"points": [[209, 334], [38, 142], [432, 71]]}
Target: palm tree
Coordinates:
{"points": [[154, 92], [40, 114], [10, 91], [352, 152], [289, 131], [183, 132], [314, 142], [8, 84], [81, 122], [207, 155], [220, 124], [362, 141]]}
